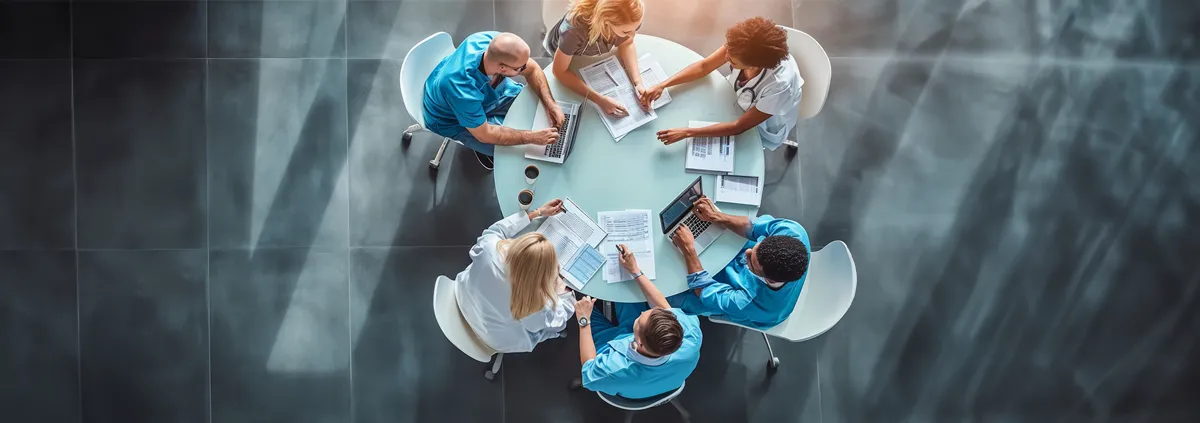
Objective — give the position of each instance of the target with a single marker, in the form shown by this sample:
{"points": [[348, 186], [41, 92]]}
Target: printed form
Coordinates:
{"points": [[633, 228], [608, 78], [575, 238]]}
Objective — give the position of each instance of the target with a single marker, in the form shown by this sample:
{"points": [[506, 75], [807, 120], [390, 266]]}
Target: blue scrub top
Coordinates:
{"points": [[737, 293], [458, 94], [614, 372]]}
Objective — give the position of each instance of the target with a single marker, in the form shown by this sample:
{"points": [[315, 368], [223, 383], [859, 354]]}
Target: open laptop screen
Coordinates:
{"points": [[680, 205]]}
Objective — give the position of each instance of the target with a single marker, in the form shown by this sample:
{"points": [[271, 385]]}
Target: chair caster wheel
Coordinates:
{"points": [[489, 375], [407, 137], [773, 363]]}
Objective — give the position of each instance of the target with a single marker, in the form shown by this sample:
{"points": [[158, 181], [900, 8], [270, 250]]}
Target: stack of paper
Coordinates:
{"points": [[632, 228], [709, 154], [739, 189], [575, 237], [608, 78]]}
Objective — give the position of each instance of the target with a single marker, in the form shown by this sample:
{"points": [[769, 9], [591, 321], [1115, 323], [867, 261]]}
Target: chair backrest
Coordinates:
{"points": [[450, 319], [417, 65], [641, 404], [814, 68], [826, 296], [552, 11]]}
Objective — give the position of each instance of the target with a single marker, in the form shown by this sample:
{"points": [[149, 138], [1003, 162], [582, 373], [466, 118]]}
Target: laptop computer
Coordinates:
{"points": [[680, 213], [561, 149]]}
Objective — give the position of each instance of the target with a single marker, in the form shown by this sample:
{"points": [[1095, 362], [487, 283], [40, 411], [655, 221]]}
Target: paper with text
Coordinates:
{"points": [[633, 228], [709, 154], [575, 238], [739, 189]]}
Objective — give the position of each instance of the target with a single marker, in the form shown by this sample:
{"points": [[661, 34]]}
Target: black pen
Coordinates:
{"points": [[620, 250]]}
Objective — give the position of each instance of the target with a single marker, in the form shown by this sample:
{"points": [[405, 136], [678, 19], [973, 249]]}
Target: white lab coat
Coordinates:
{"points": [[483, 292], [775, 92]]}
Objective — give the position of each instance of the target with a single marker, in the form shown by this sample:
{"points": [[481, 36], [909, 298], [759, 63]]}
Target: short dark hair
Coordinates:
{"points": [[662, 333], [783, 258], [757, 42]]}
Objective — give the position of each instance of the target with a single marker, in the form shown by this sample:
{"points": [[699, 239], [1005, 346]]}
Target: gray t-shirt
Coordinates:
{"points": [[573, 40]]}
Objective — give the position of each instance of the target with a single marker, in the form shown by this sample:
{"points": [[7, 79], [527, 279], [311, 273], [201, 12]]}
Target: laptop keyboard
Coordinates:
{"points": [[696, 225], [556, 149]]}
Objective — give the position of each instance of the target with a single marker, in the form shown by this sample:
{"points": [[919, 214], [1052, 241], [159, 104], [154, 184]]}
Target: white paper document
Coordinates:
{"points": [[608, 78], [575, 238], [709, 154], [652, 74], [633, 228], [739, 189]]}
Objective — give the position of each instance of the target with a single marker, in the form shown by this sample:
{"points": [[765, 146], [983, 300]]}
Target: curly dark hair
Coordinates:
{"points": [[662, 333], [783, 258], [757, 42]]}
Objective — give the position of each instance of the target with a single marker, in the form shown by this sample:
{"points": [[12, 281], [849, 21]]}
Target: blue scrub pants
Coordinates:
{"points": [[495, 116], [604, 330]]}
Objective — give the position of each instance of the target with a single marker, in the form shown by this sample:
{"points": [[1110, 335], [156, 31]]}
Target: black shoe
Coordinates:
{"points": [[485, 160]]}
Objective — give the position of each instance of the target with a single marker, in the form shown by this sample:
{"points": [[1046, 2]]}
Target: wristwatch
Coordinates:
{"points": [[638, 275], [583, 322]]}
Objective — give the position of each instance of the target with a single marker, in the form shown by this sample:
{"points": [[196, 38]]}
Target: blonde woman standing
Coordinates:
{"points": [[593, 28], [510, 294]]}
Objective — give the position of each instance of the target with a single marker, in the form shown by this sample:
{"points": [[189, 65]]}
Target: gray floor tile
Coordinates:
{"points": [[542, 377], [732, 381], [35, 30], [40, 354], [143, 336], [37, 188], [276, 29], [277, 148], [395, 200], [139, 29], [524, 18], [701, 24], [140, 146], [997, 212], [280, 336], [405, 370], [1098, 30], [388, 29]]}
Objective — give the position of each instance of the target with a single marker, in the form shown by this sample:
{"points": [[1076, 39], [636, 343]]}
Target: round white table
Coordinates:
{"points": [[638, 172]]}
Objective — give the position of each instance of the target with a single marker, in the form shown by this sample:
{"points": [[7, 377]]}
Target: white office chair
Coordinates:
{"points": [[456, 329], [552, 11], [816, 70], [824, 299], [417, 65], [633, 406]]}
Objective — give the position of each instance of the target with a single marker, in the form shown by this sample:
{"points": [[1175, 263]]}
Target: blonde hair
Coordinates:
{"points": [[600, 16], [532, 272]]}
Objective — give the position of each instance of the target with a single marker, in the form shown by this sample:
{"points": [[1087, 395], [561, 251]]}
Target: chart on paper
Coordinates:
{"points": [[633, 228]]}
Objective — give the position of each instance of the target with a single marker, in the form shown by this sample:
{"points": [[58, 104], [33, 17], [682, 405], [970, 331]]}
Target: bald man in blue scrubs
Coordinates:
{"points": [[468, 94], [650, 350], [760, 286]]}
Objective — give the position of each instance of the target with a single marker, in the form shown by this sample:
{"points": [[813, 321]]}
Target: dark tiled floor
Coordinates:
{"points": [[37, 181], [140, 142], [280, 336], [1013, 178], [40, 354], [143, 336], [276, 29]]}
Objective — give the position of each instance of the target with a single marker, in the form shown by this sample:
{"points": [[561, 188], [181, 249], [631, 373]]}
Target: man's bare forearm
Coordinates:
{"points": [[651, 292], [587, 347], [537, 81], [503, 135]]}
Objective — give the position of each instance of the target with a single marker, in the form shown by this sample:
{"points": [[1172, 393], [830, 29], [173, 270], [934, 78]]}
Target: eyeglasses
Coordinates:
{"points": [[519, 70]]}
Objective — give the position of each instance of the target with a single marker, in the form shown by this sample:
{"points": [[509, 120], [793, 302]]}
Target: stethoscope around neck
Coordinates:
{"points": [[752, 89]]}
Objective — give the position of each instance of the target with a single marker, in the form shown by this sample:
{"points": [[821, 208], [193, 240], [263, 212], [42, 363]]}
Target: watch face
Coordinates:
{"points": [[583, 321]]}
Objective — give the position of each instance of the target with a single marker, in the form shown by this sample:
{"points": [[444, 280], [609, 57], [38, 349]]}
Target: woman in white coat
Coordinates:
{"points": [[511, 294], [764, 77]]}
